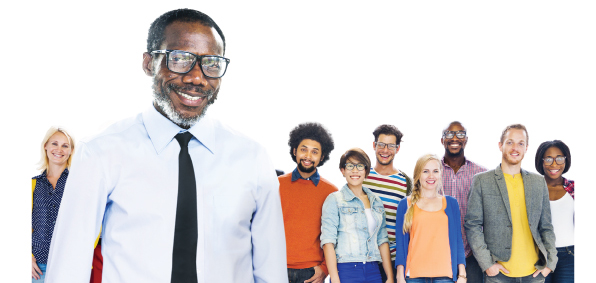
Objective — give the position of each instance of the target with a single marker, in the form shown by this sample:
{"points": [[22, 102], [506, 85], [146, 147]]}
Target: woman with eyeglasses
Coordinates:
{"points": [[56, 154], [429, 245], [353, 228], [552, 160]]}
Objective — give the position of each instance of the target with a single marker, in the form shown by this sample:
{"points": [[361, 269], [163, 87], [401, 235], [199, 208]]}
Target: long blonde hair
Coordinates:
{"points": [[43, 161], [415, 196]]}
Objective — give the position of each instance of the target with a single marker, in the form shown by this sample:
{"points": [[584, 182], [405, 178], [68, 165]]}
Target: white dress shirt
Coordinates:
{"points": [[126, 179]]}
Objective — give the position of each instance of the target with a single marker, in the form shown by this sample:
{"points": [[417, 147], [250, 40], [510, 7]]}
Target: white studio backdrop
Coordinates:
{"points": [[348, 65]]}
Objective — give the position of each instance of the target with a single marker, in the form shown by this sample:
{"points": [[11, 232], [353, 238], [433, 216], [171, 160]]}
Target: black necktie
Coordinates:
{"points": [[184, 259]]}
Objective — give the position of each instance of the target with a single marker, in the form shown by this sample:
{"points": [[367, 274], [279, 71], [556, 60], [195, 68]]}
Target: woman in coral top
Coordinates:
{"points": [[430, 247]]}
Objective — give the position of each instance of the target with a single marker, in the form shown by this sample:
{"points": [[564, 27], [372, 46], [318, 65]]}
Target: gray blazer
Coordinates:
{"points": [[488, 221]]}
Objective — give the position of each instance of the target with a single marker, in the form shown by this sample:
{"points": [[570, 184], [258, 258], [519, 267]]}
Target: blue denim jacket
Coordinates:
{"points": [[344, 224]]}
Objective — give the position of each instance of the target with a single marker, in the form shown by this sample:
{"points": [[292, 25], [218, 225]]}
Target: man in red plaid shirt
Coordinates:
{"points": [[457, 182]]}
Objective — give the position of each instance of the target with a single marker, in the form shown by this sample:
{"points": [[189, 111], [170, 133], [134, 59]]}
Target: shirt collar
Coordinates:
{"points": [[162, 131], [446, 165], [348, 195], [315, 178], [44, 174]]}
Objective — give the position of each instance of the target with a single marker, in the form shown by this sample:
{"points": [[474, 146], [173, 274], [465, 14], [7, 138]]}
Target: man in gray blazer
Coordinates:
{"points": [[508, 223]]}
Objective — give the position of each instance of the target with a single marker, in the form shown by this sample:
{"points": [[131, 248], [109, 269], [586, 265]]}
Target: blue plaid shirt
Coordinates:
{"points": [[46, 203]]}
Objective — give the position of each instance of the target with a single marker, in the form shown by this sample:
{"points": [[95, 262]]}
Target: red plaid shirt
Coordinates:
{"points": [[458, 185], [569, 186]]}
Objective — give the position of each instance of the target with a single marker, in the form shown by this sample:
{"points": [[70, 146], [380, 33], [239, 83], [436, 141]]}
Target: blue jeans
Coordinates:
{"points": [[500, 278], [358, 272], [564, 271], [299, 275], [42, 267], [473, 271], [429, 280]]}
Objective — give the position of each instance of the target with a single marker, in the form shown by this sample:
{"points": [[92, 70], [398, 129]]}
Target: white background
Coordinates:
{"points": [[348, 65]]}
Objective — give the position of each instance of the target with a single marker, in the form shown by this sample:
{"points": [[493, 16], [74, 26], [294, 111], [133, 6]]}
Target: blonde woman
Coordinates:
{"points": [[353, 228], [56, 153], [430, 246]]}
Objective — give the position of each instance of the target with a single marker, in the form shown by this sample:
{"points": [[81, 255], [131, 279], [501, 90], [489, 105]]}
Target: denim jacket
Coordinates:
{"points": [[344, 224]]}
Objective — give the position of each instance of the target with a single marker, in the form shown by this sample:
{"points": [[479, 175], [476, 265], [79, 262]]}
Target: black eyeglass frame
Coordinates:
{"points": [[355, 165], [198, 57], [555, 160], [455, 134], [386, 145]]}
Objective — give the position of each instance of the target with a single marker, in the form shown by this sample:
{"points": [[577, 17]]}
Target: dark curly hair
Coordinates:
{"points": [[312, 131], [544, 147], [158, 27], [388, 130]]}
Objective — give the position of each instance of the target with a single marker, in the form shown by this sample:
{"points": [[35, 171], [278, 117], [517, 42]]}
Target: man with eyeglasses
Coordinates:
{"points": [[303, 193], [508, 223], [180, 196], [458, 172], [387, 182]]}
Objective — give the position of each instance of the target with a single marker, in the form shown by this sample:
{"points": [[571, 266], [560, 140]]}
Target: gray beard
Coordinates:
{"points": [[164, 103]]}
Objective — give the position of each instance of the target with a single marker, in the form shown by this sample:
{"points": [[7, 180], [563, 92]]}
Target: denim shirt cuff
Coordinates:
{"points": [[327, 241]]}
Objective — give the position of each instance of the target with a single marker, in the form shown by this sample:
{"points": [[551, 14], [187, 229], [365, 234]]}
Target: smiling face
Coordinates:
{"points": [[354, 177], [514, 146], [308, 155], [385, 155], [553, 171], [58, 149], [454, 146], [430, 176], [184, 98]]}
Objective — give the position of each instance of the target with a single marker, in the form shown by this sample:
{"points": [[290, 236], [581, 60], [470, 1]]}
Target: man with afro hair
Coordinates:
{"points": [[303, 193]]}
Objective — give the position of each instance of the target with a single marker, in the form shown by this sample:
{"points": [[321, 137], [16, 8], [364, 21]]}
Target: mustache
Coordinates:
{"points": [[173, 87]]}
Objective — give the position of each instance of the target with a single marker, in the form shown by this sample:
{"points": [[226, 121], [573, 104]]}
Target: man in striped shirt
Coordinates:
{"points": [[457, 182], [388, 183]]}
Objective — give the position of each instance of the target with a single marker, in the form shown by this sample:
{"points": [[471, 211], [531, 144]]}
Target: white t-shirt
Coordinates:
{"points": [[563, 217], [370, 220]]}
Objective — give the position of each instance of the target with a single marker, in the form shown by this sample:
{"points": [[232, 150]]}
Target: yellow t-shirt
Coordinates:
{"points": [[524, 253]]}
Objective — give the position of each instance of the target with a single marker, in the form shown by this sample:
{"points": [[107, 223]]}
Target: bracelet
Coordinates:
{"points": [[462, 276]]}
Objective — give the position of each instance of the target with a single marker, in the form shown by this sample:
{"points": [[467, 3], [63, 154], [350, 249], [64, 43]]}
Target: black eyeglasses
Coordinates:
{"points": [[182, 62], [458, 134], [559, 159], [381, 145], [359, 166]]}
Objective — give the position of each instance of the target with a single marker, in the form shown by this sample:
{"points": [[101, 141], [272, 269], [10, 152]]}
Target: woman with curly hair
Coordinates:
{"points": [[552, 160], [430, 247]]}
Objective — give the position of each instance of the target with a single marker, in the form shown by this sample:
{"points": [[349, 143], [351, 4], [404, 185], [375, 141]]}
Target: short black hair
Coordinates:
{"points": [[388, 130], [454, 123], [156, 31], [544, 147], [311, 131], [359, 155]]}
